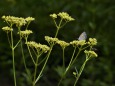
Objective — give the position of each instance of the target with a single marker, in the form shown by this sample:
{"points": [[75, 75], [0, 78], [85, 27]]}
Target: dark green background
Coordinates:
{"points": [[96, 17]]}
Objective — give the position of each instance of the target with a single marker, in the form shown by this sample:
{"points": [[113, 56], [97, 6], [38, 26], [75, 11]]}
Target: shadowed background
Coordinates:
{"points": [[96, 17]]}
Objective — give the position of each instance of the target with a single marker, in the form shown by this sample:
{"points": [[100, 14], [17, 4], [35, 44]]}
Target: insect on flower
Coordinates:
{"points": [[83, 36]]}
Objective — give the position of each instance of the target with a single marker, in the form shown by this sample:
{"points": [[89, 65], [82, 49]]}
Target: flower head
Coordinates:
{"points": [[39, 47], [7, 29], [92, 41], [65, 16], [51, 40], [90, 53], [78, 42], [29, 19], [54, 16], [25, 33], [44, 48], [19, 21], [63, 44]]}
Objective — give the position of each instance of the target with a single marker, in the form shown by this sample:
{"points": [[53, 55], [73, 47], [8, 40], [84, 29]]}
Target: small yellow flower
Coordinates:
{"points": [[51, 40], [18, 21], [81, 42], [39, 47], [25, 33], [31, 44], [90, 53], [29, 19], [92, 41], [65, 16], [44, 48], [76, 43], [63, 44], [7, 29], [54, 16]]}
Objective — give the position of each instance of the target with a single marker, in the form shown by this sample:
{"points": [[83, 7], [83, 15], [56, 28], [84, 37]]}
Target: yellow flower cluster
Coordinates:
{"points": [[62, 15], [14, 20], [65, 16], [54, 16], [25, 33], [29, 19], [92, 41], [78, 42], [90, 53], [63, 44], [39, 47], [7, 29], [51, 40], [18, 21]]}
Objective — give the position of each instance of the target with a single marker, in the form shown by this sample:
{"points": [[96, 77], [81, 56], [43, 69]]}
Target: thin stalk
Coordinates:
{"points": [[9, 40], [30, 52], [43, 66], [80, 72], [14, 67], [23, 54], [58, 27], [22, 51], [35, 71], [42, 61], [24, 60], [27, 25], [63, 25], [71, 59], [55, 23], [14, 72], [17, 43], [48, 55], [67, 67], [85, 47], [76, 57], [63, 59], [57, 32]]}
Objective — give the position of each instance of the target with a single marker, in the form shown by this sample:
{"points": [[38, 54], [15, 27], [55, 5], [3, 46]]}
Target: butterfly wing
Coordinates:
{"points": [[83, 36]]}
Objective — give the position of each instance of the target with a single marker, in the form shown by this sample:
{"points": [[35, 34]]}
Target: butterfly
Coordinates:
{"points": [[83, 36]]}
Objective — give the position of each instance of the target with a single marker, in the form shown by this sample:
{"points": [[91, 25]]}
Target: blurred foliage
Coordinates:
{"points": [[96, 17]]}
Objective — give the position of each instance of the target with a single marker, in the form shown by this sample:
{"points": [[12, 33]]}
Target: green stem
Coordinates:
{"points": [[80, 72], [43, 66], [67, 67], [14, 67], [17, 43], [71, 60], [27, 25], [58, 27], [9, 40], [35, 71], [42, 61], [13, 59], [24, 61], [63, 25], [23, 54], [22, 50], [76, 57], [85, 47], [30, 52], [57, 32], [63, 59]]}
